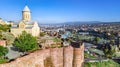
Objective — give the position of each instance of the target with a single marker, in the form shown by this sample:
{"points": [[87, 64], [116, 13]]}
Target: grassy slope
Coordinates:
{"points": [[109, 63]]}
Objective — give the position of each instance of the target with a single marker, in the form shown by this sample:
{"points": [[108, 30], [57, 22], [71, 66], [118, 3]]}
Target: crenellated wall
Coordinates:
{"points": [[53, 57]]}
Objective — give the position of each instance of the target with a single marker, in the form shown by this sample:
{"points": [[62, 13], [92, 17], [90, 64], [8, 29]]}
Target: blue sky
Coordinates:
{"points": [[56, 11]]}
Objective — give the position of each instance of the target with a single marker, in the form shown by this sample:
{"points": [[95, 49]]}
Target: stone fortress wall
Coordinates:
{"points": [[52, 57]]}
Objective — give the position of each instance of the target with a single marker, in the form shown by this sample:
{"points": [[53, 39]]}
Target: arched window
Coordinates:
{"points": [[26, 16]]}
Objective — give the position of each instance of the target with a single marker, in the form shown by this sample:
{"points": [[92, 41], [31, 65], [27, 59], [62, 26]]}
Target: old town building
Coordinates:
{"points": [[26, 24]]}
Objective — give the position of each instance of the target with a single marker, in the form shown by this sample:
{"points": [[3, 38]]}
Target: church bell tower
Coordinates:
{"points": [[26, 14]]}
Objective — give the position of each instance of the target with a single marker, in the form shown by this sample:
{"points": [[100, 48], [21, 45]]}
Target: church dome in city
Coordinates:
{"points": [[26, 24], [26, 9]]}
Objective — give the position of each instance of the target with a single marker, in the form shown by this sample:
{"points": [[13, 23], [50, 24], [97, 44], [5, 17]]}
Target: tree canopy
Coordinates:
{"points": [[5, 27], [42, 34], [3, 51], [0, 35], [97, 39], [57, 40], [26, 42]]}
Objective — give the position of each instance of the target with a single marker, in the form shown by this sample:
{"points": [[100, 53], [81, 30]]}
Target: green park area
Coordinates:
{"points": [[86, 55], [109, 63]]}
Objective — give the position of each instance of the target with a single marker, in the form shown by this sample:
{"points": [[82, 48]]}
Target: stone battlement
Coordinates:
{"points": [[52, 57]]}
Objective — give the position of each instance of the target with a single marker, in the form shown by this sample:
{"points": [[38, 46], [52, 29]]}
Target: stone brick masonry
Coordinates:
{"points": [[53, 57]]}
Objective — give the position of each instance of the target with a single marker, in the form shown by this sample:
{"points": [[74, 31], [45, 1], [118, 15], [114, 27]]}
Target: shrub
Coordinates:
{"points": [[26, 42]]}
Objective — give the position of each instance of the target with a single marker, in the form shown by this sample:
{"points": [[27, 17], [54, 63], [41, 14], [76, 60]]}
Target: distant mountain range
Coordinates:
{"points": [[80, 22]]}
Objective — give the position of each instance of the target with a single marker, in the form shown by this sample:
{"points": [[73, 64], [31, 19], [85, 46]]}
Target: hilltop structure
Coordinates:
{"points": [[26, 24]]}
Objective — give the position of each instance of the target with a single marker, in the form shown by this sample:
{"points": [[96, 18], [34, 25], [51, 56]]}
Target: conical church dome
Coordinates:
{"points": [[26, 9]]}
